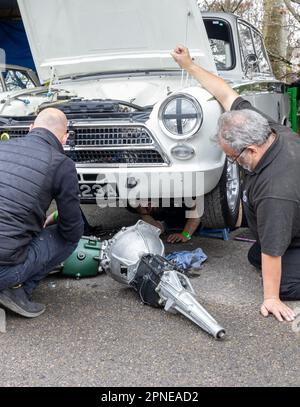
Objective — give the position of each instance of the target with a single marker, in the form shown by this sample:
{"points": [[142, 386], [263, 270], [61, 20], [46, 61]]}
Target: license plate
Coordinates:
{"points": [[98, 191]]}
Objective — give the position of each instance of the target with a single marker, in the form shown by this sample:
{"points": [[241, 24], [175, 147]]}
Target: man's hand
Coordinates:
{"points": [[182, 56], [49, 221], [278, 309], [214, 84], [177, 238]]}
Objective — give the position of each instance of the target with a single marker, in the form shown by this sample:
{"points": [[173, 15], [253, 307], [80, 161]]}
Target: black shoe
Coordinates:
{"points": [[16, 300]]}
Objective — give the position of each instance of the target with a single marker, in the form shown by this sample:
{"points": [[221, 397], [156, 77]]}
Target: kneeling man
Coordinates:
{"points": [[270, 154], [33, 172]]}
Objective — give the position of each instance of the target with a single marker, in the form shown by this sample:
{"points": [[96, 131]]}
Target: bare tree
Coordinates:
{"points": [[250, 10], [277, 19], [290, 6], [276, 34]]}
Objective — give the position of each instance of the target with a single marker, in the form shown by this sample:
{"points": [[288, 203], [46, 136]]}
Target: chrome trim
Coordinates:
{"points": [[14, 127], [258, 87], [154, 146], [107, 124], [233, 185], [111, 148], [131, 165]]}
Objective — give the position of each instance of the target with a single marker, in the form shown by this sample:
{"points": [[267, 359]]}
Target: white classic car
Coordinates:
{"points": [[134, 116]]}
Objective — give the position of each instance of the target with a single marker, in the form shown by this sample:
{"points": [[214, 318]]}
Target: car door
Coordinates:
{"points": [[264, 92]]}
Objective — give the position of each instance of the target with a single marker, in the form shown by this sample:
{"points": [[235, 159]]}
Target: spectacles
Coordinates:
{"points": [[234, 160]]}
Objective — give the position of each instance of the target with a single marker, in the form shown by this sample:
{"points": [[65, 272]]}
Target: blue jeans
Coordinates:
{"points": [[45, 252]]}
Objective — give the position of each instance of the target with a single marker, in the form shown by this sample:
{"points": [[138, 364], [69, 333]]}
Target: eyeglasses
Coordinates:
{"points": [[234, 160]]}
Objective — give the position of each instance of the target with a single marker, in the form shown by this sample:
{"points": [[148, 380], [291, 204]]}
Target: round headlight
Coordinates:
{"points": [[180, 116], [183, 152]]}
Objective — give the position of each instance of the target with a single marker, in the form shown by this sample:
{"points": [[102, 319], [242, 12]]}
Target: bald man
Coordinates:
{"points": [[33, 172]]}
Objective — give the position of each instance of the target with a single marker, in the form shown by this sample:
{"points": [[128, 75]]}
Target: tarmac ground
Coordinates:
{"points": [[96, 332]]}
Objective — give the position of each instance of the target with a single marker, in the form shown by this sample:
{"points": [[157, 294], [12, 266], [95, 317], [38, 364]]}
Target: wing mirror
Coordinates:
{"points": [[251, 65]]}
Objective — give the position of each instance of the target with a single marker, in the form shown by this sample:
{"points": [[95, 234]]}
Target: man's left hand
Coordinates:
{"points": [[278, 309]]}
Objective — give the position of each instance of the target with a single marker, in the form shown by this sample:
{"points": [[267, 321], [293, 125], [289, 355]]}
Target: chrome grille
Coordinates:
{"points": [[106, 144], [15, 132], [115, 157], [110, 136]]}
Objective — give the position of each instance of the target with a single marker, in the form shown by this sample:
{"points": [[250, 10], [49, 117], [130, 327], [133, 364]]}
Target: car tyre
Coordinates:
{"points": [[222, 205]]}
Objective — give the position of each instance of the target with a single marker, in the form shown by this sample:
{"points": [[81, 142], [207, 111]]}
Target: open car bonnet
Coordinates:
{"points": [[75, 37]]}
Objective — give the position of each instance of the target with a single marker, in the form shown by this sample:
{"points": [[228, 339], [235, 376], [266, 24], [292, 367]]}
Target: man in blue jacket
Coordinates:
{"points": [[33, 172]]}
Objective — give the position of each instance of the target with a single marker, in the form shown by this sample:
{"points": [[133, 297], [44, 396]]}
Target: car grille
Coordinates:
{"points": [[110, 136], [106, 145], [115, 157], [16, 132]]}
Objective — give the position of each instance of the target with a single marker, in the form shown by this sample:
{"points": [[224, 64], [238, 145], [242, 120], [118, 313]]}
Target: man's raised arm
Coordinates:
{"points": [[212, 83]]}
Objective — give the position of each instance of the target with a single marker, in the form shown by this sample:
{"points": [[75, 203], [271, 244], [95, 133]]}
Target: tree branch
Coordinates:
{"points": [[238, 6], [280, 58], [292, 9], [211, 5], [206, 4]]}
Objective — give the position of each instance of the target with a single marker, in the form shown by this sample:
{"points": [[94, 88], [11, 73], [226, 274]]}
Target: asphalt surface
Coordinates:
{"points": [[96, 332]]}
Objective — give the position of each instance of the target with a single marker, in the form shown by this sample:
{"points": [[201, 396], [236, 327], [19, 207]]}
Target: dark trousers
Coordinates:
{"points": [[290, 280], [45, 252]]}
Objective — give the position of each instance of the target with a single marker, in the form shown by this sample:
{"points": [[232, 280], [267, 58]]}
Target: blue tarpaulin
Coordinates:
{"points": [[14, 41]]}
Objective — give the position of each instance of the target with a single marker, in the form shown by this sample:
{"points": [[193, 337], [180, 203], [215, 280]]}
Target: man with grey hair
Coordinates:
{"points": [[33, 172], [270, 154]]}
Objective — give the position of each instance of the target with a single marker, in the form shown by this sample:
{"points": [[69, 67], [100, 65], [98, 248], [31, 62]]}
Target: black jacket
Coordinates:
{"points": [[33, 172]]}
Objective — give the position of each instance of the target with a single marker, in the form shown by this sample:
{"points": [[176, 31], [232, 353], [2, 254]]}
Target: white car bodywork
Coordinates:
{"points": [[118, 50]]}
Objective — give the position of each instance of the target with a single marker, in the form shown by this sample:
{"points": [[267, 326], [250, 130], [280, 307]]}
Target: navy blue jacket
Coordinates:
{"points": [[33, 172]]}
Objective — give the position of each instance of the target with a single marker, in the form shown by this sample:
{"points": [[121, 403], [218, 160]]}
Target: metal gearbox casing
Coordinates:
{"points": [[134, 257], [126, 249]]}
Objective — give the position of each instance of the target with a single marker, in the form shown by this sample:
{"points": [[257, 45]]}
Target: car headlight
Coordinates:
{"points": [[180, 116]]}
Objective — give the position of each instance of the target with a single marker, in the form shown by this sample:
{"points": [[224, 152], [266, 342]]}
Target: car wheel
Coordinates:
{"points": [[222, 205]]}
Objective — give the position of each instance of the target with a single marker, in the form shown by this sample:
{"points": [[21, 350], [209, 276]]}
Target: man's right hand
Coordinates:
{"points": [[214, 84], [278, 309], [182, 56]]}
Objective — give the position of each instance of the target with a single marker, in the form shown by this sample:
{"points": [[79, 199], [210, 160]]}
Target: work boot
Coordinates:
{"points": [[16, 300]]}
